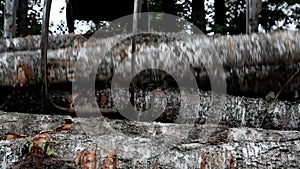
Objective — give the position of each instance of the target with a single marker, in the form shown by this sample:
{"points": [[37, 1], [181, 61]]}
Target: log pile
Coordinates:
{"points": [[227, 132]]}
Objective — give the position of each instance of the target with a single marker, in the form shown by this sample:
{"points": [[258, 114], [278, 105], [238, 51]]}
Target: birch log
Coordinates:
{"points": [[255, 63], [150, 145]]}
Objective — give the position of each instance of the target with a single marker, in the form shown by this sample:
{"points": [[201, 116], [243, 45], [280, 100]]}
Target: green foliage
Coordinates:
{"points": [[235, 17], [28, 143], [51, 152], [272, 12], [183, 8], [47, 147], [270, 96], [34, 17], [275, 15]]}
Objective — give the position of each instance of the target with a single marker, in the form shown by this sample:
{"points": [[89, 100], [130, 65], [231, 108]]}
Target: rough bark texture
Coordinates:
{"points": [[252, 64], [149, 145], [10, 11], [253, 8]]}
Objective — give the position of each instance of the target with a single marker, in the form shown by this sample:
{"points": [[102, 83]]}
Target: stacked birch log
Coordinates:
{"points": [[247, 133]]}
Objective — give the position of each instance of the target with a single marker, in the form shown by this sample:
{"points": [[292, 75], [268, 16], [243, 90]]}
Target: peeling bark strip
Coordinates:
{"points": [[149, 145]]}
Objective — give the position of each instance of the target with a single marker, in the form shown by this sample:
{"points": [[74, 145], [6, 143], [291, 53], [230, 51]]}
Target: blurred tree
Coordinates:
{"points": [[275, 15], [220, 17], [33, 18], [9, 26], [1, 17], [198, 14], [28, 18], [22, 28], [279, 14], [235, 17]]}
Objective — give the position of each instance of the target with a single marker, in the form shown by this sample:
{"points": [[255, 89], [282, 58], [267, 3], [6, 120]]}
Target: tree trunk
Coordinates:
{"points": [[220, 16], [148, 145], [10, 18], [70, 16], [198, 15], [253, 8], [22, 19]]}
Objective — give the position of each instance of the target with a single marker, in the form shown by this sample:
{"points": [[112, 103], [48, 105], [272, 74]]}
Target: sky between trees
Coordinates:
{"points": [[276, 15]]}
